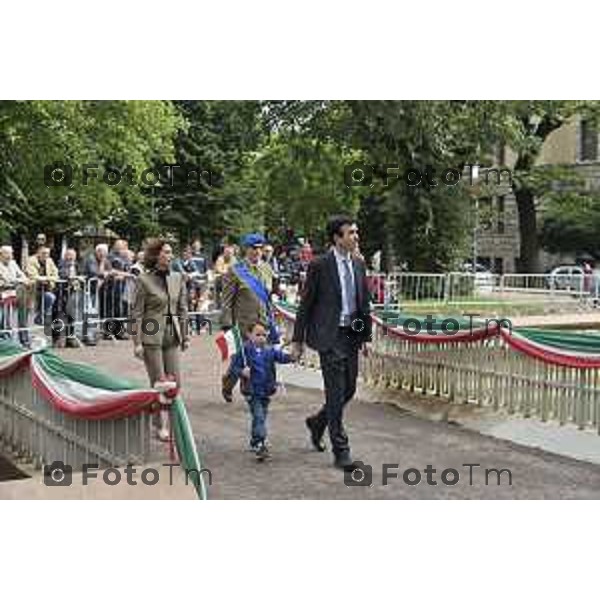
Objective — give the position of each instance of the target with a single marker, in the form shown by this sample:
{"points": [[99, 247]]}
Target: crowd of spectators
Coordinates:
{"points": [[65, 288], [55, 293]]}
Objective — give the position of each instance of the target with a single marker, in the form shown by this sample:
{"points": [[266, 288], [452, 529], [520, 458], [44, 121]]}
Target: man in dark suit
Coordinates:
{"points": [[333, 318]]}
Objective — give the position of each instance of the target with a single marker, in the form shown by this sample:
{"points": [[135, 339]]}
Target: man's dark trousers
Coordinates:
{"points": [[339, 366]]}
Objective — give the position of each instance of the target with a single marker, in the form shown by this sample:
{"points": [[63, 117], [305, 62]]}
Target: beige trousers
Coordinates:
{"points": [[160, 360]]}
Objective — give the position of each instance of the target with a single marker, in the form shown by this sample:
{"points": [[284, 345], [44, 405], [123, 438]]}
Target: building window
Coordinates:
{"points": [[498, 265], [484, 215], [588, 143]]}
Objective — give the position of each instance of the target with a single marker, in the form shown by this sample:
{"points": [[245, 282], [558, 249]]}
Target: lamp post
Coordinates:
{"points": [[475, 177], [475, 231]]}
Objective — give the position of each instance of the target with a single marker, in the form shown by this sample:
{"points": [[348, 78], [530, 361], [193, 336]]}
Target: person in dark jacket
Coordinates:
{"points": [[256, 366], [334, 319]]}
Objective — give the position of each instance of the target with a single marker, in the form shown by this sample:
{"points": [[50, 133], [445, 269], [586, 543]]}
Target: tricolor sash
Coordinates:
{"points": [[258, 288]]}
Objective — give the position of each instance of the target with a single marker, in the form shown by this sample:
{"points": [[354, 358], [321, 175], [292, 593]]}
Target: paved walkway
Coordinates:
{"points": [[586, 320], [380, 433]]}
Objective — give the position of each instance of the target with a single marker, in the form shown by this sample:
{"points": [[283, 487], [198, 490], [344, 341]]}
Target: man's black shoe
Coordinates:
{"points": [[344, 462], [315, 435], [262, 452], [227, 395]]}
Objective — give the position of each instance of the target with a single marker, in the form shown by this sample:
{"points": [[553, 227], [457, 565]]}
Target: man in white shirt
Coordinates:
{"points": [[333, 318], [14, 295]]}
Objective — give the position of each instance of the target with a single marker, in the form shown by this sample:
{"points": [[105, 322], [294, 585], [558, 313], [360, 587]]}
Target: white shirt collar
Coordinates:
{"points": [[340, 256]]}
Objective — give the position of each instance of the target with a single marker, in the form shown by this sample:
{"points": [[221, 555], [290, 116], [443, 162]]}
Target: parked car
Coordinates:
{"points": [[483, 277], [566, 277]]}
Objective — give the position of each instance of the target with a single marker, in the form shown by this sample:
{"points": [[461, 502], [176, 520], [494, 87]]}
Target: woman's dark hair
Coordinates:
{"points": [[335, 224], [152, 252]]}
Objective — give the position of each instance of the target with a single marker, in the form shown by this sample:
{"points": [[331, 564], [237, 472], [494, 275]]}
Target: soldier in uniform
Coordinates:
{"points": [[246, 298]]}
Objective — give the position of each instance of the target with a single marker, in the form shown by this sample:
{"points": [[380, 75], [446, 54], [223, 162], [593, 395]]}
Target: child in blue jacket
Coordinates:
{"points": [[256, 366]]}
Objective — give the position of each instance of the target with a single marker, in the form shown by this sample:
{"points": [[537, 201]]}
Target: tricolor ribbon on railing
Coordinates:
{"points": [[567, 349], [84, 392]]}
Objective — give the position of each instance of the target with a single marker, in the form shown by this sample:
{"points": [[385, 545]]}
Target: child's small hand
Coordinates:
{"points": [[246, 372]]}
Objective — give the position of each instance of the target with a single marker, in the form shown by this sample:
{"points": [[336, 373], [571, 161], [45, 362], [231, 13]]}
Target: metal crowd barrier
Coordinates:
{"points": [[404, 289], [33, 431], [86, 309]]}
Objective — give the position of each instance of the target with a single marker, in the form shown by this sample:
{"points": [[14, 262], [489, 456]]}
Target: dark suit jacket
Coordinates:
{"points": [[318, 316]]}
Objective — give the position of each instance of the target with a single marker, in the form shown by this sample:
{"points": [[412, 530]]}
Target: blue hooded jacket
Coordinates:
{"points": [[263, 377]]}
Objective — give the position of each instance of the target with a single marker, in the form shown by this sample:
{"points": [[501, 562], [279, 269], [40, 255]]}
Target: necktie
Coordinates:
{"points": [[350, 292]]}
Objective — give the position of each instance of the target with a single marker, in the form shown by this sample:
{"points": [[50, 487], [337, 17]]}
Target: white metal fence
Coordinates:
{"points": [[575, 292], [484, 373], [83, 309]]}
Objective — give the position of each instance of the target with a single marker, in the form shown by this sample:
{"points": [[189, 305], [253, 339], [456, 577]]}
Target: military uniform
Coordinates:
{"points": [[240, 305]]}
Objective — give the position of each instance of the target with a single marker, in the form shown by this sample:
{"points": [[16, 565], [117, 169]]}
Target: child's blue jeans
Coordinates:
{"points": [[259, 406]]}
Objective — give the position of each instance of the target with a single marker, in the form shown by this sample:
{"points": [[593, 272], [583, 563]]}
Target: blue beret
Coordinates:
{"points": [[253, 239]]}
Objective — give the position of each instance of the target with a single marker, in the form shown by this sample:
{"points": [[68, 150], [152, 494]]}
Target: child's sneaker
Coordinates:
{"points": [[262, 452]]}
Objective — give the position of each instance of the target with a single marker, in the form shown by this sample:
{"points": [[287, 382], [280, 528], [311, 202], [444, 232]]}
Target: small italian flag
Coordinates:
{"points": [[229, 342]]}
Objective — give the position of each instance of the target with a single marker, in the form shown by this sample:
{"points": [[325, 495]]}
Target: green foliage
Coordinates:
{"points": [[220, 140], [571, 223], [301, 180], [35, 134], [281, 164]]}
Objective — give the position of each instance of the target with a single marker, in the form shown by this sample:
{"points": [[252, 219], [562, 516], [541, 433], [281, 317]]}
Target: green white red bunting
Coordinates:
{"points": [[82, 391], [186, 447], [87, 397], [567, 349], [77, 389]]}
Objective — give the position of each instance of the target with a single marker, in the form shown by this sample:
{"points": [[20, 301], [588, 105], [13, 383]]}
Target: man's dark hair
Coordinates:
{"points": [[335, 224]]}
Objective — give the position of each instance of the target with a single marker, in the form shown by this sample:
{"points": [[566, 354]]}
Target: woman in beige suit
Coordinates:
{"points": [[160, 331]]}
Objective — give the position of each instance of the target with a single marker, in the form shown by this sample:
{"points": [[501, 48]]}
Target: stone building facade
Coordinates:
{"points": [[496, 236]]}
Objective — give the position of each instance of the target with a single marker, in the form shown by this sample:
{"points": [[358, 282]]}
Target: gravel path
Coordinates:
{"points": [[379, 434]]}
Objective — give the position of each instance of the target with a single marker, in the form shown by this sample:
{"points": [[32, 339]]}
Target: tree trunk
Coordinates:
{"points": [[529, 259]]}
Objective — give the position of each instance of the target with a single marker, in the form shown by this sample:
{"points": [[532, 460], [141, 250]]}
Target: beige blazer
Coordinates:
{"points": [[151, 302], [33, 270]]}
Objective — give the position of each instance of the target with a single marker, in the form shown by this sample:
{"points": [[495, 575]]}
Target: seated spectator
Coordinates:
{"points": [[96, 268], [186, 264], [137, 268], [306, 253], [225, 261], [14, 296], [198, 257], [69, 301], [44, 273], [222, 266], [40, 240], [118, 298], [195, 282]]}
